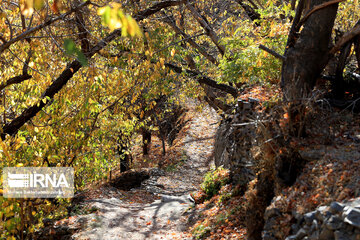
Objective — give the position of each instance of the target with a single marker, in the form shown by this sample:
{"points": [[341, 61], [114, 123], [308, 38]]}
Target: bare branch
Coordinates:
{"points": [[15, 80], [209, 31], [205, 80], [19, 79], [170, 20], [294, 27], [156, 8], [317, 8], [272, 52], [346, 38], [253, 15]]}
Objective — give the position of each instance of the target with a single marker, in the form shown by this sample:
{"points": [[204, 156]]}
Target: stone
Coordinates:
{"points": [[334, 223], [309, 217], [352, 217], [314, 225], [314, 235], [301, 234], [356, 203], [320, 214], [297, 216], [326, 234], [295, 227], [268, 236], [322, 209], [339, 235], [271, 212], [293, 237], [336, 207]]}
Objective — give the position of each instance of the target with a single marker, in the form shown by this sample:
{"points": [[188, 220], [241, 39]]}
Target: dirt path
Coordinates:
{"points": [[165, 217]]}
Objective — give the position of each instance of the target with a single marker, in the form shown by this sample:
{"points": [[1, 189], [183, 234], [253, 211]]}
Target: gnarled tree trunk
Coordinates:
{"points": [[306, 56]]}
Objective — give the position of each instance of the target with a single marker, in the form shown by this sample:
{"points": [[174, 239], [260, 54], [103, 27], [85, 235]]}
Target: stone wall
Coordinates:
{"points": [[338, 221], [234, 141]]}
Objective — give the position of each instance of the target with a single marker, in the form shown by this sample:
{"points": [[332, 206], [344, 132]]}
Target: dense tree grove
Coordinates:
{"points": [[79, 80]]}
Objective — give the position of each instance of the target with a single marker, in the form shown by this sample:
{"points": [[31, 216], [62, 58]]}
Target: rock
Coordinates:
{"points": [[181, 199], [356, 203], [309, 217], [268, 236], [295, 227], [291, 238], [352, 217], [334, 223], [322, 209], [298, 216], [339, 235], [336, 207], [314, 225], [314, 235], [300, 234], [326, 234], [272, 212], [62, 230]]}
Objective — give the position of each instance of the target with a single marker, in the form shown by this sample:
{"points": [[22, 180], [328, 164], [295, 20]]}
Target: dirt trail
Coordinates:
{"points": [[166, 217]]}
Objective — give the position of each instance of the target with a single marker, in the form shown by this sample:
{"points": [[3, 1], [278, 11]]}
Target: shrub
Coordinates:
{"points": [[214, 180]]}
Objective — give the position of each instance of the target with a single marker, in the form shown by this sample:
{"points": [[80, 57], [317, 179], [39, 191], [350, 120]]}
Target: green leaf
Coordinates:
{"points": [[82, 58], [70, 48]]}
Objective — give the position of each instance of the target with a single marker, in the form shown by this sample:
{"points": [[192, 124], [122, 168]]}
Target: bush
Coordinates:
{"points": [[214, 180]]}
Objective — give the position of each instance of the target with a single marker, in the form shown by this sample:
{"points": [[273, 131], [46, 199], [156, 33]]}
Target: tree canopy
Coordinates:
{"points": [[78, 77]]}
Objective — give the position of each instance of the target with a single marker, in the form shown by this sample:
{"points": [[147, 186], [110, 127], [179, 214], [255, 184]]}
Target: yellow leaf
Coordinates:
{"points": [[38, 4], [27, 8], [259, 63], [19, 165]]}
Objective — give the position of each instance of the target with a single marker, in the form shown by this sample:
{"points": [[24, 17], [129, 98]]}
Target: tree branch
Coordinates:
{"points": [[18, 79], [23, 35], [346, 38], [252, 14], [156, 8], [272, 52], [317, 8], [209, 31], [205, 80], [15, 80], [170, 20], [13, 127], [294, 29]]}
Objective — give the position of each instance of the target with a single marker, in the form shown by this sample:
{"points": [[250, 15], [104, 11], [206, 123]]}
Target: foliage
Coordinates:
{"points": [[201, 231], [245, 62], [115, 92], [214, 180]]}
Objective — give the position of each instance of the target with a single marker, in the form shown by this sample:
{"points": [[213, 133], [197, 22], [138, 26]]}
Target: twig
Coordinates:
{"points": [[272, 52], [208, 29], [182, 40], [171, 21]]}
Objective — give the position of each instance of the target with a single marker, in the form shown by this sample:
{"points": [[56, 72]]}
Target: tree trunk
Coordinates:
{"points": [[306, 57], [146, 136], [125, 157]]}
